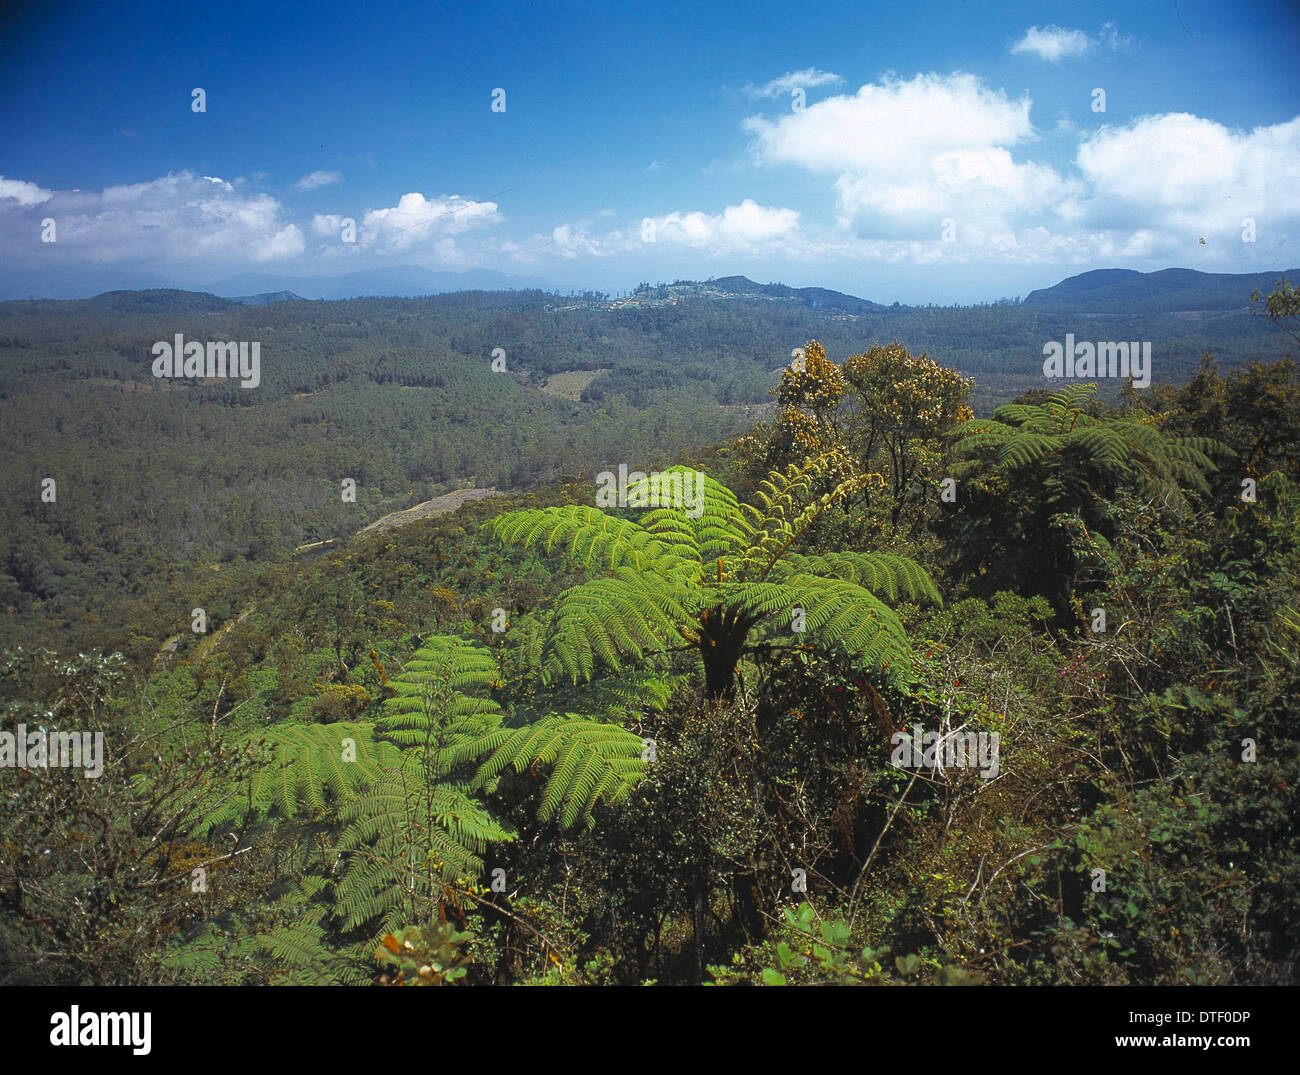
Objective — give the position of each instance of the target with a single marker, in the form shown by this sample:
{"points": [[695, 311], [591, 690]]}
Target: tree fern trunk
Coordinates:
{"points": [[720, 662]]}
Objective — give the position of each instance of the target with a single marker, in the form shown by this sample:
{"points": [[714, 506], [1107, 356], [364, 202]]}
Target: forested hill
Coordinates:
{"points": [[720, 338], [1123, 291], [820, 299]]}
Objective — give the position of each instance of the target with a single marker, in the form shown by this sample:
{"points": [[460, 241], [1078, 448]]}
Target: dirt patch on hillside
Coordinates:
{"points": [[439, 505], [570, 384]]}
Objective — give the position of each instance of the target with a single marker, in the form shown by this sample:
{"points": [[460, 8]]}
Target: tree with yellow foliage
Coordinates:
{"points": [[903, 404], [882, 410]]}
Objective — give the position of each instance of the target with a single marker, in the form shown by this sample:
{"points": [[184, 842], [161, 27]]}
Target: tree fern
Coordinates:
{"points": [[673, 581], [1043, 481], [1065, 429], [405, 842], [406, 792]]}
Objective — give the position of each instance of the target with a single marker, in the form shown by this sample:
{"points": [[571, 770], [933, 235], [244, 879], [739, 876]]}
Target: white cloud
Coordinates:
{"points": [[1178, 173], [193, 224], [569, 243], [1054, 43], [744, 225], [416, 221], [1111, 38], [739, 230], [24, 193], [179, 218], [896, 119], [905, 157], [907, 154], [807, 79], [316, 180], [327, 223]]}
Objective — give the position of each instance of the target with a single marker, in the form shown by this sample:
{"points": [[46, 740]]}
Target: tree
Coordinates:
{"points": [[406, 792], [712, 584], [1255, 411], [1041, 481], [885, 408], [809, 395], [902, 401], [1282, 303]]}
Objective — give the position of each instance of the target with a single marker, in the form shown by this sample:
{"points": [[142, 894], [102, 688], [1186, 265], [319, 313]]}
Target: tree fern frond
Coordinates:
{"points": [[304, 769], [621, 696], [403, 840], [429, 710], [609, 618], [590, 761], [886, 575], [589, 535], [842, 615]]}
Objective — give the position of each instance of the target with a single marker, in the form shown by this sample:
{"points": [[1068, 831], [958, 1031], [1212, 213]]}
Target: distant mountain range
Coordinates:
{"points": [[1101, 291], [721, 338], [400, 281], [403, 281]]}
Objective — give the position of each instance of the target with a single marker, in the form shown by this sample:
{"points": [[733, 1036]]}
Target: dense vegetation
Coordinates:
{"points": [[159, 482], [541, 740]]}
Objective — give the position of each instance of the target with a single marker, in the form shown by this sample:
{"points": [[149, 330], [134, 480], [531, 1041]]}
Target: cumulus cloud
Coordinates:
{"points": [[181, 217], [326, 223], [571, 242], [807, 79], [906, 154], [1178, 173], [24, 193], [416, 221], [195, 224], [743, 225], [316, 180], [892, 119], [910, 161], [739, 230]]}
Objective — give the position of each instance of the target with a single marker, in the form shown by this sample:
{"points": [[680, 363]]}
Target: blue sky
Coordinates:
{"points": [[944, 152]]}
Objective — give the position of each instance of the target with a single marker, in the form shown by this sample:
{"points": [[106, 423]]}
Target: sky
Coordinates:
{"points": [[944, 152]]}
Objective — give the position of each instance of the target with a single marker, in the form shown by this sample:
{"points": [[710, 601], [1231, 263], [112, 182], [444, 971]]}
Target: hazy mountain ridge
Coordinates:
{"points": [[1165, 291], [399, 281], [1100, 291]]}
